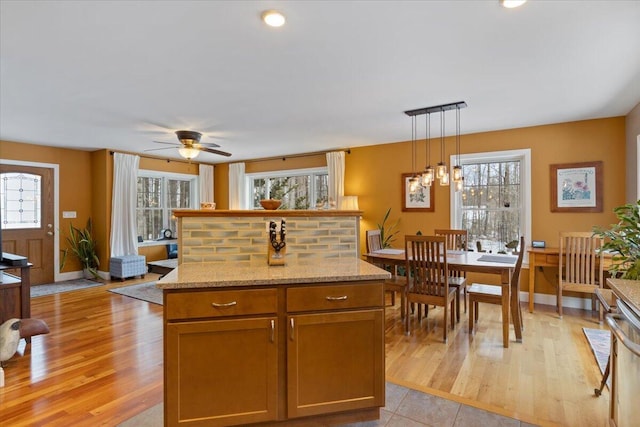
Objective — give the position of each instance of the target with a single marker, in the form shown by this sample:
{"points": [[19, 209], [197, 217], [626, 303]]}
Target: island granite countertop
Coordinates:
{"points": [[212, 275], [628, 291]]}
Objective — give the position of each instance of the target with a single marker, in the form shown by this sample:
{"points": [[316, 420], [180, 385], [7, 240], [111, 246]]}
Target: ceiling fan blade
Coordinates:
{"points": [[211, 150], [175, 144], [163, 148], [206, 144]]}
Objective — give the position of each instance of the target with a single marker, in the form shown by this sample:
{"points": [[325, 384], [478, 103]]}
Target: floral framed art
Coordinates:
{"points": [[421, 200], [576, 187]]}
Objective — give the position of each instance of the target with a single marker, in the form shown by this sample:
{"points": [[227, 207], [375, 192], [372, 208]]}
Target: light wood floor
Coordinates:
{"points": [[102, 363]]}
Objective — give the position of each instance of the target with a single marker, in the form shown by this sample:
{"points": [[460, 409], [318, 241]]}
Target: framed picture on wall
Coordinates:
{"points": [[576, 187], [422, 200]]}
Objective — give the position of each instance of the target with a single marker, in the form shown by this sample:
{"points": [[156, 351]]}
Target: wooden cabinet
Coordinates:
{"points": [[221, 372], [335, 362], [276, 354]]}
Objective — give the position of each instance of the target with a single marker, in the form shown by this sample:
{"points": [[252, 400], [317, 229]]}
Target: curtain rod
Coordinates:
{"points": [[293, 156]]}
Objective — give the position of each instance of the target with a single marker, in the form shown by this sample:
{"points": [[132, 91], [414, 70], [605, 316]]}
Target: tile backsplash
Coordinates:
{"points": [[238, 238]]}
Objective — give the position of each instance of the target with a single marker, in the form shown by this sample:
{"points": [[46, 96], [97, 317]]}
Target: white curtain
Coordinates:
{"points": [[335, 166], [206, 183], [124, 236], [236, 186]]}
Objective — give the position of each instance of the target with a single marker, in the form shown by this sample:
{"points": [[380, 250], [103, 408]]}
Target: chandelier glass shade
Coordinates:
{"points": [[441, 171]]}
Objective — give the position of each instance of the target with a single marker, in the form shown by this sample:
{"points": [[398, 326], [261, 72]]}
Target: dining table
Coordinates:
{"points": [[472, 262]]}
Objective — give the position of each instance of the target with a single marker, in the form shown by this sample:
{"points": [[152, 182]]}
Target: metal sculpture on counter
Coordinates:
{"points": [[277, 248]]}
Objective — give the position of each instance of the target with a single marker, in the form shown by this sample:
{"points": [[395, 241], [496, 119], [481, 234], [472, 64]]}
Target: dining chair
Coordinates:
{"points": [[493, 294], [428, 280], [395, 283], [580, 267], [456, 240]]}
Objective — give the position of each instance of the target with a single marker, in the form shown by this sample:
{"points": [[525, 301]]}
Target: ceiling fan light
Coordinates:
{"points": [[273, 18], [510, 4], [188, 152]]}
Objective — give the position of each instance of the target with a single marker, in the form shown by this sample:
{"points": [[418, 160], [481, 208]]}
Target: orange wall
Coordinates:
{"points": [[373, 173]]}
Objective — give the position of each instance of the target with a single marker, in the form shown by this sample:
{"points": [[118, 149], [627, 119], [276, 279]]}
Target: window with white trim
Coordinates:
{"points": [[297, 189], [495, 203], [158, 194]]}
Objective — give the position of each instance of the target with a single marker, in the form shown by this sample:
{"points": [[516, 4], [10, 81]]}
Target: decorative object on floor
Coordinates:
{"points": [[32, 327], [142, 291], [123, 267], [81, 243], [9, 339], [65, 286], [600, 343]]}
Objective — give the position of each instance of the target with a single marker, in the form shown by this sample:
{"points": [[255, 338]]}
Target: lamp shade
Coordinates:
{"points": [[348, 203]]}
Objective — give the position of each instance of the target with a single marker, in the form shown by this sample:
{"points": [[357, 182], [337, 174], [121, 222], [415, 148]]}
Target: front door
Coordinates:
{"points": [[27, 217]]}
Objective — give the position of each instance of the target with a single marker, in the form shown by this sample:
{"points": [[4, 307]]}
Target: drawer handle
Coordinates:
{"points": [[224, 304], [340, 298], [273, 330]]}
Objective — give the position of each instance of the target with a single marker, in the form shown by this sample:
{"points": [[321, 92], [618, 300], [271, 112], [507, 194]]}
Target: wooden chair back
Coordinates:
{"points": [[427, 265], [428, 277], [580, 267], [374, 240], [580, 263], [456, 240]]}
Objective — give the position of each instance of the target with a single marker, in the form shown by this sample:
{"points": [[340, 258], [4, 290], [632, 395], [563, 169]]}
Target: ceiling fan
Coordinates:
{"points": [[190, 145]]}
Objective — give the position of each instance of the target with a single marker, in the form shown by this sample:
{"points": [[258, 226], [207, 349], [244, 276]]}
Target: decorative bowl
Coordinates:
{"points": [[207, 205], [270, 204]]}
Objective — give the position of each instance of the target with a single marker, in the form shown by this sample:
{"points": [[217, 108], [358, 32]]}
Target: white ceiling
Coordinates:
{"points": [[120, 74]]}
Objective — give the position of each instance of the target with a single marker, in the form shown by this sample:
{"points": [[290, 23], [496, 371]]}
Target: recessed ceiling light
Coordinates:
{"points": [[510, 4], [273, 18]]}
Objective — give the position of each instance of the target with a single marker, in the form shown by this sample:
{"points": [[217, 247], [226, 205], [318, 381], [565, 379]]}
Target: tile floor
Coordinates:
{"points": [[408, 408], [404, 408]]}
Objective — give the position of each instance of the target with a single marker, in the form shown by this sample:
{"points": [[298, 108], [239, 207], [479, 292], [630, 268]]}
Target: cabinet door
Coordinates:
{"points": [[335, 362], [221, 372]]}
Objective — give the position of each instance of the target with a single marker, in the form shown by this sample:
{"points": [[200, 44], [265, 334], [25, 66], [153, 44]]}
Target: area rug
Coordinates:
{"points": [[66, 286], [143, 291], [600, 343]]}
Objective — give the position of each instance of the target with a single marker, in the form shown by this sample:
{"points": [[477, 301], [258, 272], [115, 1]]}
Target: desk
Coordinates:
{"points": [[470, 262], [548, 257]]}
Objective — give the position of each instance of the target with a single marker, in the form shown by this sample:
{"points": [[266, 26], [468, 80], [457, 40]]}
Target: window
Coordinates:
{"points": [[158, 195], [20, 199], [297, 189], [494, 205]]}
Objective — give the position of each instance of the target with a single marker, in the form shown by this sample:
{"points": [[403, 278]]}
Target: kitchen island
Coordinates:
{"points": [[295, 344]]}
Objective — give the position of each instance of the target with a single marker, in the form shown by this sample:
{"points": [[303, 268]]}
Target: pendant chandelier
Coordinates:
{"points": [[441, 172]]}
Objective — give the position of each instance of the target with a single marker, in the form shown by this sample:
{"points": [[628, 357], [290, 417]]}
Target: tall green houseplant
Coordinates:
{"points": [[623, 240], [83, 246], [387, 233]]}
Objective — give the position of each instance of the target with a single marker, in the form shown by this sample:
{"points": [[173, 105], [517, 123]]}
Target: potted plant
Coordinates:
{"points": [[81, 243], [387, 234], [623, 240]]}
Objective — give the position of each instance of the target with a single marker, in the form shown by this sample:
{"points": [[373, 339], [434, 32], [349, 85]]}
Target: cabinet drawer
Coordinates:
{"points": [[330, 297], [197, 304], [552, 259]]}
